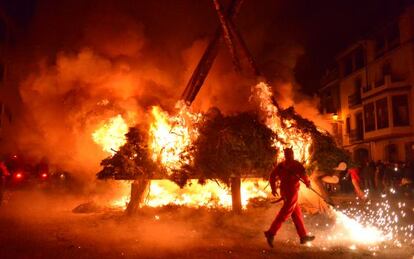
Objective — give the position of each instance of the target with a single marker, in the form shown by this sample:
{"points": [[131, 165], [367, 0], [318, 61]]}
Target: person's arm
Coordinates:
{"points": [[272, 180], [303, 175]]}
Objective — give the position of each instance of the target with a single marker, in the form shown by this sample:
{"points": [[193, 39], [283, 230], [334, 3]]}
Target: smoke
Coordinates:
{"points": [[90, 62], [69, 94], [280, 67]]}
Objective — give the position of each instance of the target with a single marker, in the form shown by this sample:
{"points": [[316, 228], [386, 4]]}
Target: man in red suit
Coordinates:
{"points": [[289, 172]]}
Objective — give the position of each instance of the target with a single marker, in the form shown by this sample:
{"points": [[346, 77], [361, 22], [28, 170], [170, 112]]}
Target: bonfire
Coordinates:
{"points": [[218, 148], [214, 151], [189, 145]]}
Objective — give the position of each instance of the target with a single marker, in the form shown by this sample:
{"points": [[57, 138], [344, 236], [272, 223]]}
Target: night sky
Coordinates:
{"points": [[321, 27]]}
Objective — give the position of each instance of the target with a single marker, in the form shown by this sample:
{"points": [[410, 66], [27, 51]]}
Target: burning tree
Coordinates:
{"points": [[231, 146], [132, 160], [211, 146]]}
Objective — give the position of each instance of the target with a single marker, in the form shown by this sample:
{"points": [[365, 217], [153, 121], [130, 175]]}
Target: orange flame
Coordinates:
{"points": [[111, 135], [194, 195], [170, 136], [288, 135]]}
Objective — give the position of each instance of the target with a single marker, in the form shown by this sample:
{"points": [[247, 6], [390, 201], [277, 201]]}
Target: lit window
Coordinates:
{"points": [[382, 113], [369, 115], [400, 110]]}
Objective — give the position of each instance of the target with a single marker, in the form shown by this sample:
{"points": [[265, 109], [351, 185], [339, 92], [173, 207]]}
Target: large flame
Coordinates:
{"points": [[287, 134], [210, 195], [111, 135], [170, 136]]}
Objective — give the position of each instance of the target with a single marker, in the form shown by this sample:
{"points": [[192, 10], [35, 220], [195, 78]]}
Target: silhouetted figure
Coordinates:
{"points": [[290, 172]]}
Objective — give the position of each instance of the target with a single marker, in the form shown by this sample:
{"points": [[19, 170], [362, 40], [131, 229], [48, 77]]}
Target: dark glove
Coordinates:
{"points": [[275, 193]]}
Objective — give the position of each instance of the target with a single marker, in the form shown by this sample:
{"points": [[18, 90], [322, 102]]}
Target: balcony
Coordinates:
{"points": [[386, 82], [354, 100], [366, 88], [356, 135]]}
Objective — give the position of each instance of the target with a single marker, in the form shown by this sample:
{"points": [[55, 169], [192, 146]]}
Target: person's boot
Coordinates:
{"points": [[305, 239], [269, 238]]}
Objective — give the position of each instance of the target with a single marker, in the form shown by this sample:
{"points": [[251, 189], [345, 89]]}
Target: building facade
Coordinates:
{"points": [[5, 112], [369, 94]]}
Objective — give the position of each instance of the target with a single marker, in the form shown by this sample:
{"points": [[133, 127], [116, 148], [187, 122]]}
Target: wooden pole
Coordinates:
{"points": [[139, 189], [235, 184], [206, 61], [234, 39], [228, 36]]}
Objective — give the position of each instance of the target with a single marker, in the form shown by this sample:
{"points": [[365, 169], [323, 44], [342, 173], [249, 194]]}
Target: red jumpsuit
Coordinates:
{"points": [[289, 173], [356, 180]]}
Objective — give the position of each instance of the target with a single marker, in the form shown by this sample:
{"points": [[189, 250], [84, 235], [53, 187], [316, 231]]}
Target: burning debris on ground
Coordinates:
{"points": [[186, 175]]}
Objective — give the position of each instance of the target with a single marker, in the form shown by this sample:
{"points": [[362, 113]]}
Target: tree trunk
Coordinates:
{"points": [[139, 189], [235, 184]]}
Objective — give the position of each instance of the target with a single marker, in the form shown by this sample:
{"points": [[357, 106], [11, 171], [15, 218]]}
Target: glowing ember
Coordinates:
{"points": [[375, 225], [287, 134], [359, 233], [170, 136], [111, 135]]}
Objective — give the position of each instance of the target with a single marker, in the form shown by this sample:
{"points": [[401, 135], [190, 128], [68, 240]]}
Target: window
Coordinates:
{"points": [[366, 88], [1, 72], [400, 110], [369, 117], [359, 58], [3, 32], [348, 66], [380, 74], [329, 104], [348, 125], [355, 97], [330, 108], [386, 68], [359, 126], [382, 113], [358, 84]]}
